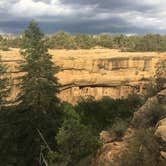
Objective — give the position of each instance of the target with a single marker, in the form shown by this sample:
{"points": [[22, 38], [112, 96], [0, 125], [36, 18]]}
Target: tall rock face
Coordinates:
{"points": [[97, 72]]}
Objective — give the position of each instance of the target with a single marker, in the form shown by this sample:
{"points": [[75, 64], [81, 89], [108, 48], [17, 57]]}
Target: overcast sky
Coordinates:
{"points": [[85, 16]]}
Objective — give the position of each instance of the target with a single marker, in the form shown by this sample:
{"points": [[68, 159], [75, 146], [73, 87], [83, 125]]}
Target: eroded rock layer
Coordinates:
{"points": [[97, 72]]}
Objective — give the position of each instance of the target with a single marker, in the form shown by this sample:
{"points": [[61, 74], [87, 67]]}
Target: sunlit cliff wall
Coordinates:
{"points": [[97, 73]]}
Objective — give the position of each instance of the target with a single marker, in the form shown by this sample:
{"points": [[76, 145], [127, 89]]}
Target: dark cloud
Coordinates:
{"points": [[85, 16], [112, 5]]}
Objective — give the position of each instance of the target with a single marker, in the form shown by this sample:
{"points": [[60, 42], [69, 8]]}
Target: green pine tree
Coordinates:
{"points": [[39, 85], [38, 109]]}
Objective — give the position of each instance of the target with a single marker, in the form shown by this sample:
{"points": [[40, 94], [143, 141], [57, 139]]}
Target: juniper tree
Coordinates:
{"points": [[38, 86], [160, 74]]}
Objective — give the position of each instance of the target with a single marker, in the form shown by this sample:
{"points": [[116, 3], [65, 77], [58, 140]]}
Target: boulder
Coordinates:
{"points": [[162, 122], [106, 137], [143, 111], [162, 96], [161, 130], [163, 154], [161, 135]]}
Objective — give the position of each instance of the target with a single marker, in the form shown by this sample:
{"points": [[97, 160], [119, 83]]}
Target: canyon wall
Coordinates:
{"points": [[96, 72]]}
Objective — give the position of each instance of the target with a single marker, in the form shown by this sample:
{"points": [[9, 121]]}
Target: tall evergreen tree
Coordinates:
{"points": [[38, 108], [39, 85]]}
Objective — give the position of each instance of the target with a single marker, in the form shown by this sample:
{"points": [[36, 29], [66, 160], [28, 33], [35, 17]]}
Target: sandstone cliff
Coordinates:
{"points": [[97, 72]]}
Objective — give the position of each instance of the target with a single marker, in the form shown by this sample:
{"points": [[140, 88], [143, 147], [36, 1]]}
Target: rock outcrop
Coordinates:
{"points": [[96, 72], [161, 134], [161, 129], [162, 96], [143, 112], [112, 149]]}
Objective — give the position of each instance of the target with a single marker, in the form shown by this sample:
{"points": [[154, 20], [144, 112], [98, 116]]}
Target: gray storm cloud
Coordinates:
{"points": [[85, 16]]}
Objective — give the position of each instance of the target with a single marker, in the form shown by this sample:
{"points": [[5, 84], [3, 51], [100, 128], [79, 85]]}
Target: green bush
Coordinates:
{"points": [[135, 101], [56, 159], [101, 114], [160, 74], [151, 89], [69, 111], [4, 48], [156, 113], [75, 142], [119, 128]]}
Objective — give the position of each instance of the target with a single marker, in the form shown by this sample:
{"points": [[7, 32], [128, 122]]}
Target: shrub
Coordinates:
{"points": [[56, 159], [151, 89], [119, 128], [69, 111], [101, 114], [160, 74], [135, 101], [75, 142], [4, 48], [156, 113]]}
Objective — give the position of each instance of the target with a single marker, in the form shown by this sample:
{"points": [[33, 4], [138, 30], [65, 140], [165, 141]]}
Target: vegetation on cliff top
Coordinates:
{"points": [[64, 40]]}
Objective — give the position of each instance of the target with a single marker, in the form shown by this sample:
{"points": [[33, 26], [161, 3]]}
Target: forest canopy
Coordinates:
{"points": [[64, 40]]}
